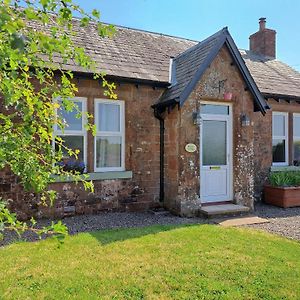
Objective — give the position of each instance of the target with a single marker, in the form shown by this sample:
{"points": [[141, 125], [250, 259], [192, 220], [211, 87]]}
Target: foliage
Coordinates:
{"points": [[9, 221], [158, 262], [285, 178], [32, 74]]}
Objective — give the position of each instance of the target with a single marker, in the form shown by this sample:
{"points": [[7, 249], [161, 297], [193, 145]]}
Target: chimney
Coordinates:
{"points": [[264, 40]]}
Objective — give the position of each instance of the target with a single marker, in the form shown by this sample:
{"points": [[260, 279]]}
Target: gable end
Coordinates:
{"points": [[179, 93]]}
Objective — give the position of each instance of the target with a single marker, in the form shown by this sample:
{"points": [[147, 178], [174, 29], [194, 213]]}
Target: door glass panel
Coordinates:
{"points": [[214, 143], [214, 109], [278, 148]]}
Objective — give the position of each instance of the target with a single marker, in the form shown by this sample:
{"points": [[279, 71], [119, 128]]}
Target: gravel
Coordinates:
{"points": [[108, 221], [285, 222], [282, 221]]}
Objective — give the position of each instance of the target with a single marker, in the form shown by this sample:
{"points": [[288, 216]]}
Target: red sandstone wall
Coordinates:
{"points": [[243, 146], [172, 159], [263, 141], [142, 158], [262, 151]]}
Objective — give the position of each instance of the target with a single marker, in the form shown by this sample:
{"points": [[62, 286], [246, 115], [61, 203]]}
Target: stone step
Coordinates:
{"points": [[219, 210], [240, 221]]}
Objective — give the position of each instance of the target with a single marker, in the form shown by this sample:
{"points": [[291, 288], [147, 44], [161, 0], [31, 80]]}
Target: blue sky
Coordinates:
{"points": [[197, 19]]}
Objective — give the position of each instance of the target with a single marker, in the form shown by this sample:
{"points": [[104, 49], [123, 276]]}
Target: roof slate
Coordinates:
{"points": [[191, 64], [272, 76], [129, 53], [142, 55], [186, 65]]}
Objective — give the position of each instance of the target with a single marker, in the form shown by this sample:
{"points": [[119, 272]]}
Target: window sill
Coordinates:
{"points": [[284, 168], [98, 176]]}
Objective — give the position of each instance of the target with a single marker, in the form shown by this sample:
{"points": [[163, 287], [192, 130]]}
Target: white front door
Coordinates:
{"points": [[216, 153]]}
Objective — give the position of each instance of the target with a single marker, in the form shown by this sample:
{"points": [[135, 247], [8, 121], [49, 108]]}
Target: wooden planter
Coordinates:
{"points": [[282, 196]]}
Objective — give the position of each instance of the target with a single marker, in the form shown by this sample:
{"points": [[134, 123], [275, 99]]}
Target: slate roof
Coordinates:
{"points": [[130, 53], [186, 64], [189, 66], [273, 77], [141, 55]]}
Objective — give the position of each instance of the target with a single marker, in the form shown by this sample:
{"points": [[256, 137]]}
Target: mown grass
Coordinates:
{"points": [[157, 262]]}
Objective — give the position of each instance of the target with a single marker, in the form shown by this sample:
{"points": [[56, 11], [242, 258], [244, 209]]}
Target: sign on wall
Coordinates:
{"points": [[190, 148]]}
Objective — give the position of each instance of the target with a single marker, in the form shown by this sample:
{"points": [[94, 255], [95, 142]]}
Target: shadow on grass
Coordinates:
{"points": [[116, 235]]}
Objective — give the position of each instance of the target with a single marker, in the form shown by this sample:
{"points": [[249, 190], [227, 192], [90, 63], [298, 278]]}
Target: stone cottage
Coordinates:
{"points": [[195, 124]]}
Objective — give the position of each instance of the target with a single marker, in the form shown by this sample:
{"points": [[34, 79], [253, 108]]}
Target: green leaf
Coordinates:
{"points": [[96, 13], [28, 113]]}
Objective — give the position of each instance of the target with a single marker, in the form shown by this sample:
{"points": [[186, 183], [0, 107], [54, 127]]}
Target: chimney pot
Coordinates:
{"points": [[262, 24]]}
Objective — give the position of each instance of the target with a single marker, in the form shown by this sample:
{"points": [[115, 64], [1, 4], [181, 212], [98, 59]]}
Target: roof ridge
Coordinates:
{"points": [[201, 43], [92, 22], [139, 30], [151, 32], [218, 40]]}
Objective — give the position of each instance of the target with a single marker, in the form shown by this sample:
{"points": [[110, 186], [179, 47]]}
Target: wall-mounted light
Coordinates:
{"points": [[245, 120], [197, 118]]}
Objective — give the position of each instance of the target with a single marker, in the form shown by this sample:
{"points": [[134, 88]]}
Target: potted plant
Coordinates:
{"points": [[283, 189], [73, 166]]}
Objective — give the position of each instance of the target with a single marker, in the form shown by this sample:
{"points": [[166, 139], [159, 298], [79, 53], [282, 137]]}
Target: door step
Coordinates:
{"points": [[223, 210]]}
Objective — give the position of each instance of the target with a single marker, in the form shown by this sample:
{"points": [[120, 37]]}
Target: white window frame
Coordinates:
{"points": [[295, 137], [121, 134], [57, 131], [285, 137]]}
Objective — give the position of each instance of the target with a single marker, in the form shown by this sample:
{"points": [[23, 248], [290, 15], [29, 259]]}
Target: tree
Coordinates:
{"points": [[31, 76]]}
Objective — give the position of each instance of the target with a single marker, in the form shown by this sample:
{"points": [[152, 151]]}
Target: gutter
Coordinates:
{"points": [[281, 97], [121, 79], [159, 115]]}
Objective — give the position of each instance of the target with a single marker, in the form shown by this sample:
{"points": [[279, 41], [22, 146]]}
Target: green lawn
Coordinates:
{"points": [[158, 262]]}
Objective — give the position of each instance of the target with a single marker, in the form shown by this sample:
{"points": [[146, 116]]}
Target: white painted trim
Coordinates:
{"points": [[170, 70], [285, 137], [228, 119], [96, 176], [82, 132], [295, 137], [121, 133]]}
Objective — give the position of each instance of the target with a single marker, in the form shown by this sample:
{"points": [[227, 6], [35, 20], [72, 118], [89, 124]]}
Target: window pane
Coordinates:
{"points": [[214, 109], [214, 143], [69, 117], [278, 148], [297, 153], [108, 151], [297, 126], [108, 117], [73, 142], [278, 125]]}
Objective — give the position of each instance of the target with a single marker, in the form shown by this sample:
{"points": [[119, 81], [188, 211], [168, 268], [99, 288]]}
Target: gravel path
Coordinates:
{"points": [[108, 221], [283, 221]]}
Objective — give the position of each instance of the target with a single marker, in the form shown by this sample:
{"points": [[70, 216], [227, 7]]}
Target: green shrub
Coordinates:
{"points": [[285, 178]]}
